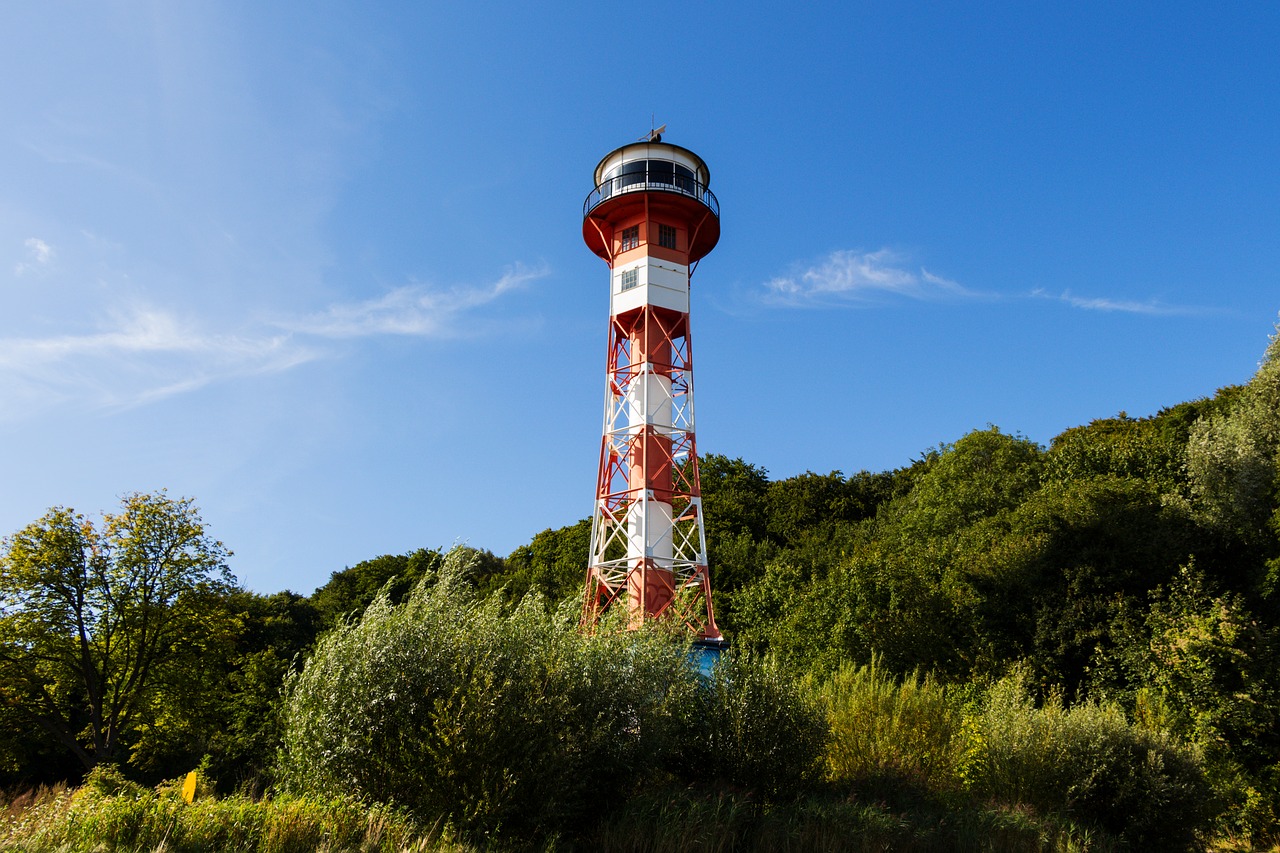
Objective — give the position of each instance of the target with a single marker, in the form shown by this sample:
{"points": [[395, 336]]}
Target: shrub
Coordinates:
{"points": [[1088, 763], [761, 731], [499, 724]]}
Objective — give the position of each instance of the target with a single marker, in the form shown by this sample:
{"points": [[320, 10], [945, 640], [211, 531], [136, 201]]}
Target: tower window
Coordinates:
{"points": [[630, 278], [667, 236], [630, 237]]}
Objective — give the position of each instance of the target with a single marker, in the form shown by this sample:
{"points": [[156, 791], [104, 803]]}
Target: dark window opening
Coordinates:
{"points": [[652, 172], [661, 172], [632, 173], [667, 236], [630, 237], [685, 179]]}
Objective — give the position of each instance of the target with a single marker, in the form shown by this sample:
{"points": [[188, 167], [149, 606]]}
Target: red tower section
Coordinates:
{"points": [[651, 218]]}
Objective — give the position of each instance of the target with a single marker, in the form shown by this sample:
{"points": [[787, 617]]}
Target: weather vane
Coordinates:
{"points": [[655, 134]]}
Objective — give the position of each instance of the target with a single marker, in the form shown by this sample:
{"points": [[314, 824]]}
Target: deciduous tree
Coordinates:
{"points": [[96, 621]]}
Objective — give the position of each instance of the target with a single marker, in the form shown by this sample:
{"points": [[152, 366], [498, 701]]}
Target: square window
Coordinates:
{"points": [[630, 278], [630, 237], [667, 236]]}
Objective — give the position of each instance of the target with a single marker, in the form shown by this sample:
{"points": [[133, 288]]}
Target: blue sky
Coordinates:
{"points": [[319, 265]]}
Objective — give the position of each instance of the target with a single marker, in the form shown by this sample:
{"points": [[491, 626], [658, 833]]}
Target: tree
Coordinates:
{"points": [[733, 497], [351, 590], [981, 475], [229, 710], [1138, 448], [734, 511], [1233, 458], [554, 563], [95, 623]]}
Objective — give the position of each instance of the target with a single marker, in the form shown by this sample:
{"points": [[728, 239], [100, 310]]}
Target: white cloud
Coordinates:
{"points": [[1152, 307], [138, 356], [142, 354], [38, 256], [850, 276], [410, 310]]}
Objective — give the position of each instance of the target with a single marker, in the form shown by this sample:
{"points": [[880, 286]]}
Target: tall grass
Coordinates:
{"points": [[720, 822], [112, 814], [888, 731]]}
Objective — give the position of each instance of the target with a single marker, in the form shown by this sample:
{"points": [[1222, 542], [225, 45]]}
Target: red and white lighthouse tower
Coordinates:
{"points": [[651, 217]]}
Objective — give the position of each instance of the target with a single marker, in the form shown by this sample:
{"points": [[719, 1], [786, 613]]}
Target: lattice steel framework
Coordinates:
{"points": [[648, 478]]}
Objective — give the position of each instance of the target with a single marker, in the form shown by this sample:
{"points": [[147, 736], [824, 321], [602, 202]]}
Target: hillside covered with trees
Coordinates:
{"points": [[934, 638]]}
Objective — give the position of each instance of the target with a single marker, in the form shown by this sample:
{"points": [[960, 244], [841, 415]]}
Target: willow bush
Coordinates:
{"points": [[494, 722], [761, 731]]}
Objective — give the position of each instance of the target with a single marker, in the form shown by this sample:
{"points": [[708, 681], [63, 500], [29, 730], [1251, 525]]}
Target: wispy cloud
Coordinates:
{"points": [[141, 354], [138, 355], [846, 277], [410, 310], [1152, 307], [853, 276], [39, 255]]}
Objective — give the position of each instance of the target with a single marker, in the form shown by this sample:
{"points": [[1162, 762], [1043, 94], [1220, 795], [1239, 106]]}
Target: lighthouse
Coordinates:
{"points": [[651, 217]]}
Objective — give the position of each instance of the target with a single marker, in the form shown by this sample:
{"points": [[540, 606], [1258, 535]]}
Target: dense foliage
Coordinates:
{"points": [[100, 627], [455, 709], [980, 624]]}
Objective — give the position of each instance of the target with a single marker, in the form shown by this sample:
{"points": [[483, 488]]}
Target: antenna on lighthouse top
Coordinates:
{"points": [[653, 135]]}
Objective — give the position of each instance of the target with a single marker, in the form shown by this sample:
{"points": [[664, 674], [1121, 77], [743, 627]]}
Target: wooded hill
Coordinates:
{"points": [[1134, 562]]}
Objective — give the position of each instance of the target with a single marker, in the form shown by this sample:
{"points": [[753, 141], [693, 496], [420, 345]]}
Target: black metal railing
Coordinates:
{"points": [[650, 175]]}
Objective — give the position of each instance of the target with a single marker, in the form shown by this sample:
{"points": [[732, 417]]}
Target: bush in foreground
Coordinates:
{"points": [[516, 725], [887, 731], [1086, 764], [492, 722]]}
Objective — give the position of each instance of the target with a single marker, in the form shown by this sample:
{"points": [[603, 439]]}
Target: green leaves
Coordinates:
{"points": [[1233, 459], [516, 723], [94, 622], [453, 708]]}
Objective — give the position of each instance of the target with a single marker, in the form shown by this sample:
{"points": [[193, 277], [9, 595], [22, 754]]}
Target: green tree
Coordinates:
{"points": [[1076, 557], [1122, 447], [232, 714], [809, 501], [736, 516], [554, 564], [981, 475], [350, 591], [733, 497], [95, 621], [1233, 457]]}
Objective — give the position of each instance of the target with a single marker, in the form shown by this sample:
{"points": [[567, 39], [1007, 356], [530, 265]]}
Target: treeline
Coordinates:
{"points": [[1132, 565]]}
